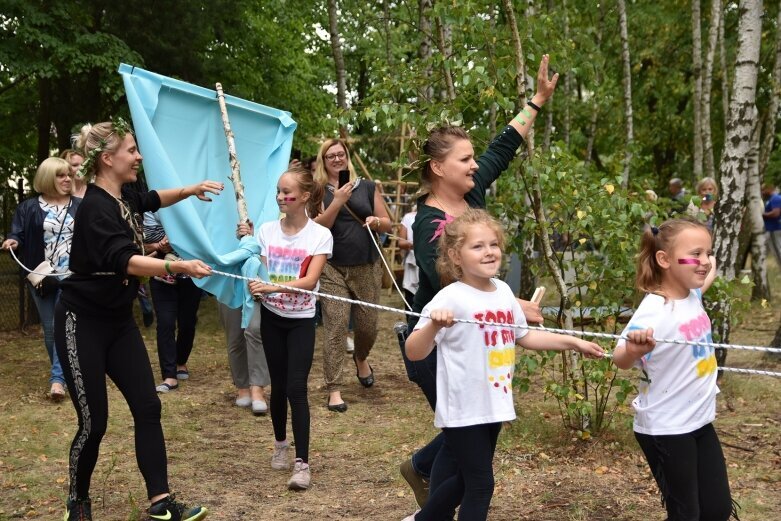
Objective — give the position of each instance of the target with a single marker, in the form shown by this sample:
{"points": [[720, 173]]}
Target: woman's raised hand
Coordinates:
{"points": [[199, 190], [342, 195], [545, 87], [9, 244]]}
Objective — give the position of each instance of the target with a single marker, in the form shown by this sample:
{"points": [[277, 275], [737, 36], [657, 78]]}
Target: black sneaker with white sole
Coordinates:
{"points": [[169, 509]]}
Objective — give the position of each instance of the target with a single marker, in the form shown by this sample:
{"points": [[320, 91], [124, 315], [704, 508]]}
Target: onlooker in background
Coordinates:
{"points": [[410, 281], [176, 299], [42, 228], [354, 271], [677, 194], [772, 218], [74, 159], [708, 191]]}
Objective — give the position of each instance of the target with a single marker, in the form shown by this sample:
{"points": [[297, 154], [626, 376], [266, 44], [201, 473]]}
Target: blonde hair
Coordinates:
{"points": [[307, 184], [321, 176], [649, 274], [708, 181], [453, 238], [68, 152], [45, 180], [438, 145], [92, 141]]}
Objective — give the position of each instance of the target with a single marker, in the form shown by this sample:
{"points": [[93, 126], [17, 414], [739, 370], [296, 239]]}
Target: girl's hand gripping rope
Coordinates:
{"points": [[589, 349], [442, 318], [640, 342]]}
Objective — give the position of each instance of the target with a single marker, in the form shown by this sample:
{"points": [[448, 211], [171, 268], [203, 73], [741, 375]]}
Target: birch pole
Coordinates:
{"points": [[627, 82], [235, 176]]}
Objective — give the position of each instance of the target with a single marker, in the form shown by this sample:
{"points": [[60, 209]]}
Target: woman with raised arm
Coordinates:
{"points": [[453, 180], [95, 333]]}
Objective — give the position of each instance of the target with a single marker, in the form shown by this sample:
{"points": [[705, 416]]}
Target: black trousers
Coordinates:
{"points": [[176, 307], [90, 349], [471, 482], [691, 474], [289, 344]]}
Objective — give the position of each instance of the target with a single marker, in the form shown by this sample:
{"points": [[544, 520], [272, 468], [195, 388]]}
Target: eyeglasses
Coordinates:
{"points": [[63, 174], [336, 155]]}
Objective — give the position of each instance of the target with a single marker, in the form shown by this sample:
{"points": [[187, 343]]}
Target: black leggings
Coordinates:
{"points": [[89, 349], [471, 482], [289, 344], [691, 474]]}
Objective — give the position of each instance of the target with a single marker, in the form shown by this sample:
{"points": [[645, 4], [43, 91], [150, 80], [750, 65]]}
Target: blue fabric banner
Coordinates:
{"points": [[179, 131]]}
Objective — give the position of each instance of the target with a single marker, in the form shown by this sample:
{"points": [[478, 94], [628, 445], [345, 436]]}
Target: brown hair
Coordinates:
{"points": [[649, 274], [438, 145], [308, 185], [453, 238], [321, 176]]}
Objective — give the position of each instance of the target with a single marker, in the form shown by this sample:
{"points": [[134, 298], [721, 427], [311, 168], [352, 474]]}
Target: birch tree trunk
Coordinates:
{"points": [[592, 128], [627, 82], [567, 83], [697, 104], [336, 49], [772, 110], [443, 42], [737, 148], [755, 207], [724, 73], [707, 87]]}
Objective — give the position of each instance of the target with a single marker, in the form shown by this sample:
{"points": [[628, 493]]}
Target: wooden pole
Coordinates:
{"points": [[235, 176]]}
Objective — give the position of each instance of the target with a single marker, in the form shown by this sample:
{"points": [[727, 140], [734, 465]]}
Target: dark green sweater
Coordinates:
{"points": [[430, 221]]}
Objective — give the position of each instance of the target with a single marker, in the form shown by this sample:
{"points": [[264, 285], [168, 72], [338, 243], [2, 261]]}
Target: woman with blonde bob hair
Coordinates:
{"points": [[95, 331], [352, 209], [42, 229]]}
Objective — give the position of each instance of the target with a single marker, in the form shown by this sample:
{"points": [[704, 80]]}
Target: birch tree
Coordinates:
{"points": [[737, 147], [336, 49], [627, 83], [707, 88], [697, 101]]}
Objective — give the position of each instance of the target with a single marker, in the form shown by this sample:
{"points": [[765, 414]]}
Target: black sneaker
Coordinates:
{"points": [[78, 510], [169, 509]]}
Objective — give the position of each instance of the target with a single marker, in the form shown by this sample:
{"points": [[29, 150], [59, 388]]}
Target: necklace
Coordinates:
{"points": [[444, 208]]}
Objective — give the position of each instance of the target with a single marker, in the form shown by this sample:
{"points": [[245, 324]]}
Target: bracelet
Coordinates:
{"points": [[534, 105], [168, 268]]}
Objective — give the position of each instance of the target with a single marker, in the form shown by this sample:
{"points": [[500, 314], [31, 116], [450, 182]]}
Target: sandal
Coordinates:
{"points": [[166, 388], [367, 381], [57, 392]]}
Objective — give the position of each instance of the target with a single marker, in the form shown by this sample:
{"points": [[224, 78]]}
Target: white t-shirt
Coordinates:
{"points": [[411, 278], [677, 391], [475, 363], [286, 255]]}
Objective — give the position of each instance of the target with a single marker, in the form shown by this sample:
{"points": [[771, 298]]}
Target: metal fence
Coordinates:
{"points": [[17, 309]]}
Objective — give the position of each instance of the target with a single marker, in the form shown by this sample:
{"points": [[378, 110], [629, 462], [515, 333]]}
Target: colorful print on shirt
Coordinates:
{"points": [[285, 265], [500, 347]]}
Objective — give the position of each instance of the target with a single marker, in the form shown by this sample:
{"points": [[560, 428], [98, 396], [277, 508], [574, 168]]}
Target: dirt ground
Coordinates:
{"points": [[219, 454]]}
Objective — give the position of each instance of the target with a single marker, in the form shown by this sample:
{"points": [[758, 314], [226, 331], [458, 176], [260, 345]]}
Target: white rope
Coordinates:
{"points": [[387, 268], [57, 274], [571, 332]]}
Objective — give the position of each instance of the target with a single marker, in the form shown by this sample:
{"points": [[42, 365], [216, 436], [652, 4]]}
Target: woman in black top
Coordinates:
{"points": [[354, 270], [42, 229], [95, 332]]}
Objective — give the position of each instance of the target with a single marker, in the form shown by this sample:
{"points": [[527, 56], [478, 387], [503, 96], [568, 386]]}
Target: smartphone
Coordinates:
{"points": [[344, 177], [707, 197]]}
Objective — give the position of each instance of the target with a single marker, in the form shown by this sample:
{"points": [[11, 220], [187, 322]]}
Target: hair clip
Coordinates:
{"points": [[655, 230]]}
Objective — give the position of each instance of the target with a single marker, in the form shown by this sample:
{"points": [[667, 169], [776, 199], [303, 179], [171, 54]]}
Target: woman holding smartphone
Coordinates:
{"points": [[351, 209]]}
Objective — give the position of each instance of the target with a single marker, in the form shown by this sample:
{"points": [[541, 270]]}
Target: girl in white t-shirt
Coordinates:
{"points": [[294, 249], [676, 404], [474, 362]]}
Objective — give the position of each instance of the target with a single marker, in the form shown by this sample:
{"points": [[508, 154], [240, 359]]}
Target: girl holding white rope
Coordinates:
{"points": [[676, 404]]}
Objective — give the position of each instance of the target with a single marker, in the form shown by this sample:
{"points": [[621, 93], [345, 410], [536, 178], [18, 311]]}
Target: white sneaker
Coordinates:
{"points": [[244, 401], [301, 476], [411, 518], [350, 344], [259, 407], [280, 461]]}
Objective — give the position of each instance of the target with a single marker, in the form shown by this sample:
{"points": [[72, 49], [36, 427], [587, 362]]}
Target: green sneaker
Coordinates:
{"points": [[78, 510], [169, 509]]}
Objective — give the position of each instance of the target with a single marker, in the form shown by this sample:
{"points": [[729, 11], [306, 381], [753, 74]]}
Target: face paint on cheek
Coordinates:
{"points": [[695, 262], [288, 199]]}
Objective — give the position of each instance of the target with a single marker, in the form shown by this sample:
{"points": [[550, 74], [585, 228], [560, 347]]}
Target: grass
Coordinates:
{"points": [[219, 454]]}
